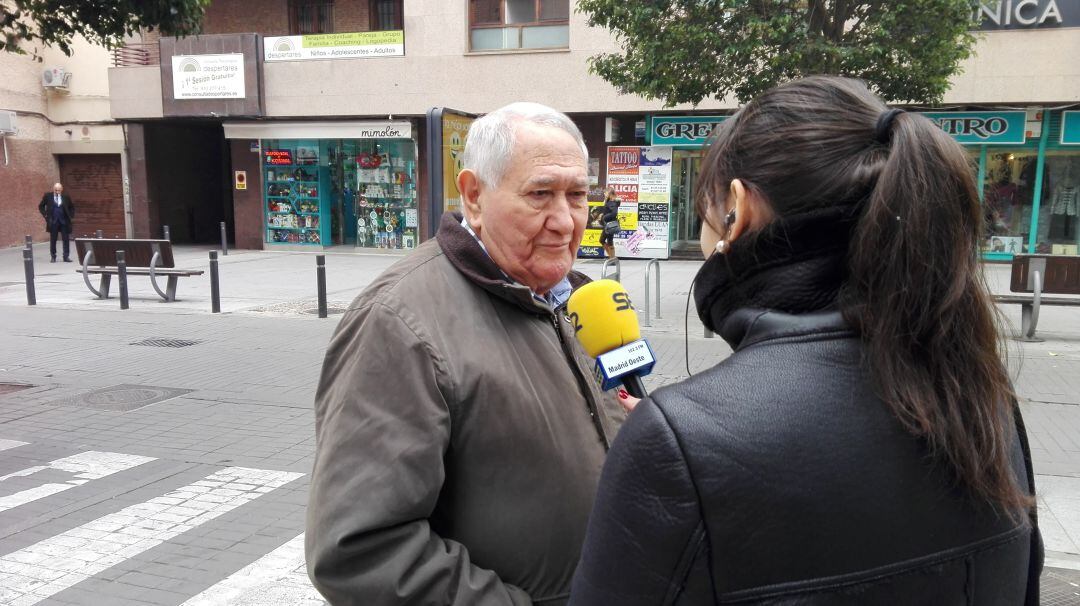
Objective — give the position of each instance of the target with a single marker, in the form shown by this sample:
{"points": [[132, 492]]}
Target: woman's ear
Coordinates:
{"points": [[746, 211]]}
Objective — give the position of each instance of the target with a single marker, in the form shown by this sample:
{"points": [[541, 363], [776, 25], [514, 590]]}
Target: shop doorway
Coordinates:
{"points": [[685, 226], [189, 182]]}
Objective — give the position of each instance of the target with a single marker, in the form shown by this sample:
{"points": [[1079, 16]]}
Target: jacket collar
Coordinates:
{"points": [[749, 326], [465, 253]]}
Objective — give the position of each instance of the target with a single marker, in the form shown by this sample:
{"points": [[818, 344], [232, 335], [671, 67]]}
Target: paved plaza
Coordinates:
{"points": [[162, 454]]}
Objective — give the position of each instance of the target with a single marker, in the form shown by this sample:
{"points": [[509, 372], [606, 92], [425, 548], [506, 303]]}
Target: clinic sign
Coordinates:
{"points": [[208, 76], [983, 128], [993, 15], [1070, 128], [354, 45], [693, 131]]}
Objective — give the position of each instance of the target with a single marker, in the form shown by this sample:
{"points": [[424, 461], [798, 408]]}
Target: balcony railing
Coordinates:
{"points": [[137, 54]]}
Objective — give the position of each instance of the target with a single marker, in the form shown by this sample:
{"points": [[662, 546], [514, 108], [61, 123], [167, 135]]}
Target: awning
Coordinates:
{"points": [[379, 129]]}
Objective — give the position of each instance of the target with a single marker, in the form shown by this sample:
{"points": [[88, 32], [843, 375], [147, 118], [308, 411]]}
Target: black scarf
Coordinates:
{"points": [[795, 265]]}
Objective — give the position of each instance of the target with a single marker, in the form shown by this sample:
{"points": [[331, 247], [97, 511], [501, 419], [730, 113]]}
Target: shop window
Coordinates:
{"points": [[311, 17], [518, 24], [1059, 224], [1008, 192], [340, 191], [386, 15]]}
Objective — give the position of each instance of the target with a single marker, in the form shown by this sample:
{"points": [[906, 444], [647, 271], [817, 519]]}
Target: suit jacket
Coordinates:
{"points": [[45, 208]]}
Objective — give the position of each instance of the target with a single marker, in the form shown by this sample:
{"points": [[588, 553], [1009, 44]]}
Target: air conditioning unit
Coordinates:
{"points": [[55, 77], [7, 123]]}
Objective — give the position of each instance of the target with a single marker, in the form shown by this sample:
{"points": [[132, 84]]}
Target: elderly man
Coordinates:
{"points": [[59, 214], [460, 433]]}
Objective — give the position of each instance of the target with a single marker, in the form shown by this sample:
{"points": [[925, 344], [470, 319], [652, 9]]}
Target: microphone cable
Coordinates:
{"points": [[686, 326]]}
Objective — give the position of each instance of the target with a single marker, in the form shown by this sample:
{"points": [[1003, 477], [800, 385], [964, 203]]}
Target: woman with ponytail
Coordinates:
{"points": [[862, 445]]}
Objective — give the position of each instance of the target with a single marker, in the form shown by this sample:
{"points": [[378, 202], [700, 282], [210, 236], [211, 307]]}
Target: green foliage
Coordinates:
{"points": [[683, 51], [24, 23]]}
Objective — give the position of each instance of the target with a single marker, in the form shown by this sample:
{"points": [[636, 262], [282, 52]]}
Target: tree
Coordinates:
{"points": [[56, 22], [683, 51]]}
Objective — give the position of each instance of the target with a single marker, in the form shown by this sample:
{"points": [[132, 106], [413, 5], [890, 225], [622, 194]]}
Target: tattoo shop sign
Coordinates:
{"points": [[208, 76], [355, 45]]}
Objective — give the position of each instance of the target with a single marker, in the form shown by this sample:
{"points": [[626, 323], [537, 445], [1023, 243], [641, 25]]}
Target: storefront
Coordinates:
{"points": [[1028, 165], [325, 184]]}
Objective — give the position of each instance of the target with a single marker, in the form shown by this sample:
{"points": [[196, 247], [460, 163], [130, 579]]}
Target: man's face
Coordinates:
{"points": [[531, 223], [58, 189]]}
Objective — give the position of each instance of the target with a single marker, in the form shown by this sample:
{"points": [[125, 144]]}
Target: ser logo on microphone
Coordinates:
{"points": [[622, 303]]}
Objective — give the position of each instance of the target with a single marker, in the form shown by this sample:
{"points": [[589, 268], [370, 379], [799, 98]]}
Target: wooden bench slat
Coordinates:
{"points": [[1011, 299], [139, 271]]}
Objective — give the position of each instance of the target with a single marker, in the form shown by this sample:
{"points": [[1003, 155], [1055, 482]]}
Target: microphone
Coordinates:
{"points": [[607, 327]]}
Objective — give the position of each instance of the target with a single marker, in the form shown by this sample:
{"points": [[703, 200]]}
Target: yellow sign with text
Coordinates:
{"points": [[455, 129]]}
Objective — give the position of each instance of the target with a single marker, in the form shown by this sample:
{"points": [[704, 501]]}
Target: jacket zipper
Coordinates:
{"points": [[594, 407]]}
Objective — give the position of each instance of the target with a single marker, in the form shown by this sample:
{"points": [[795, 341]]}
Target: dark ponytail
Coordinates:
{"points": [[916, 293], [914, 287]]}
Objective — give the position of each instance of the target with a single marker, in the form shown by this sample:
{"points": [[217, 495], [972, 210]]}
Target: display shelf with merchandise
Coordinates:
{"points": [[295, 206]]}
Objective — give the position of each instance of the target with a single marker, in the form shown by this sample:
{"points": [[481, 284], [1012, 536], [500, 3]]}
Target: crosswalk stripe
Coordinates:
{"points": [[279, 577], [46, 568], [9, 444], [86, 466]]}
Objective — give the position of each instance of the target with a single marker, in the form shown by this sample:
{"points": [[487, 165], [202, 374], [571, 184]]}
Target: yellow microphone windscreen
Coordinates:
{"points": [[603, 316]]}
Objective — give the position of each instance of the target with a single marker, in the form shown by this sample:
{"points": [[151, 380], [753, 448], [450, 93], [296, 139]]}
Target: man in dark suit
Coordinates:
{"points": [[59, 214]]}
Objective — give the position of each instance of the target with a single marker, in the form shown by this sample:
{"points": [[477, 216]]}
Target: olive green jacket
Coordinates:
{"points": [[460, 436]]}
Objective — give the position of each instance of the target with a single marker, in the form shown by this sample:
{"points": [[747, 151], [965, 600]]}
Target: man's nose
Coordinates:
{"points": [[561, 217]]}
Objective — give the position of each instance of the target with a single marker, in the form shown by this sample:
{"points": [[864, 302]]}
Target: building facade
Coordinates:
{"points": [[60, 130], [315, 123]]}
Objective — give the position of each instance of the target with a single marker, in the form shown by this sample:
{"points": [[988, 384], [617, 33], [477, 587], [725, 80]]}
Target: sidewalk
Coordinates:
{"points": [[166, 397]]}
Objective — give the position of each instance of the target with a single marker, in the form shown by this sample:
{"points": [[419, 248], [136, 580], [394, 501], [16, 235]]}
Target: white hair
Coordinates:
{"points": [[490, 142]]}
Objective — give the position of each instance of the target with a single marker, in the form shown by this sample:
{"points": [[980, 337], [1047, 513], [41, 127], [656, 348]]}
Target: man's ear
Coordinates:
{"points": [[469, 185]]}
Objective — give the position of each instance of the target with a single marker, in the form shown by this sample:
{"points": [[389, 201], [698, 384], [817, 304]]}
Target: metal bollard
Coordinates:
{"points": [[28, 268], [224, 240], [29, 242], [100, 233], [215, 292], [648, 297], [320, 274], [618, 269], [121, 274], [165, 232]]}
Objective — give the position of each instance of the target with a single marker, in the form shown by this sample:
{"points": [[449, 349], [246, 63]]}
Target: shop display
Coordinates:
{"points": [[386, 205], [333, 191], [293, 199]]}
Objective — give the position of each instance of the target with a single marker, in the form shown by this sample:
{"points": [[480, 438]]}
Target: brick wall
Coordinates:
{"points": [[266, 17], [30, 172], [271, 17], [96, 188], [351, 16]]}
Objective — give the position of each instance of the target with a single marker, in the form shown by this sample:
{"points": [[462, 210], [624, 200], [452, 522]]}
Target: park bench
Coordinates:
{"points": [[1037, 276], [152, 258]]}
